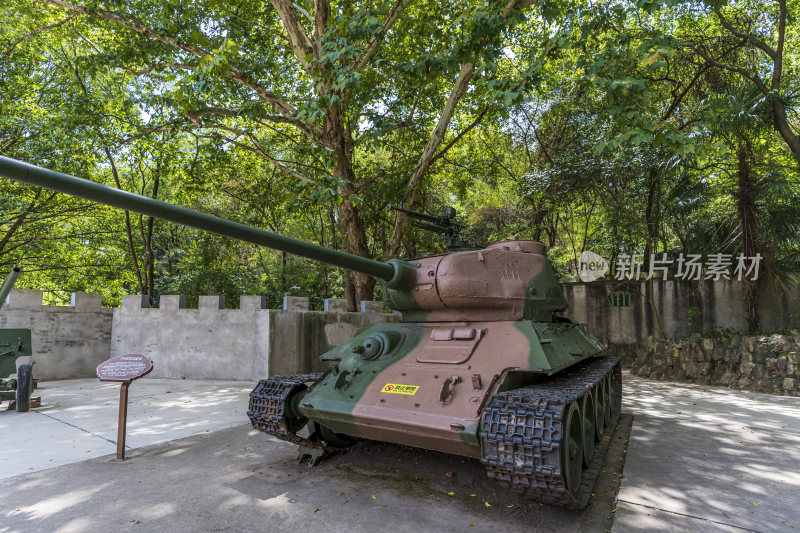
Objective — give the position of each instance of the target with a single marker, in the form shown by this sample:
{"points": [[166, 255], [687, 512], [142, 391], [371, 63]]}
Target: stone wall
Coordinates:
{"points": [[684, 308], [67, 341], [248, 343], [761, 363]]}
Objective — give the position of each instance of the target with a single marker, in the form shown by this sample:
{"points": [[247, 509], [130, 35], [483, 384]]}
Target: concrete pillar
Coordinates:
{"points": [[135, 301], [295, 303], [211, 302], [84, 301], [730, 307], [172, 302], [666, 290], [371, 307], [577, 302], [25, 299], [252, 302], [333, 305], [338, 333]]}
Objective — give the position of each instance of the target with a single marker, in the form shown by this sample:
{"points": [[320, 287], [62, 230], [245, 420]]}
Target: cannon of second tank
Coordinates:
{"points": [[8, 284]]}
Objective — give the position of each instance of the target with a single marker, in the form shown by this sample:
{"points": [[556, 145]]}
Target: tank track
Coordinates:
{"points": [[267, 406], [521, 429]]}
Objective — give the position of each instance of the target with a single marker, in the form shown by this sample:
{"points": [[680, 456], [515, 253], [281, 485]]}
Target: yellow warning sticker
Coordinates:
{"points": [[399, 388]]}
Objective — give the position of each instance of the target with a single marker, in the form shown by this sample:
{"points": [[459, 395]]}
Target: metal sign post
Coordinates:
{"points": [[125, 369], [123, 419]]}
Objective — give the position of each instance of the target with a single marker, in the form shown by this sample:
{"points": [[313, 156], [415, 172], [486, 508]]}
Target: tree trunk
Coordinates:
{"points": [[651, 219], [149, 256], [358, 286], [746, 200]]}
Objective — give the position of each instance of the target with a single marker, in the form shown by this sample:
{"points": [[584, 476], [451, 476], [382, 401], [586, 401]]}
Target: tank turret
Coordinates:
{"points": [[482, 365]]}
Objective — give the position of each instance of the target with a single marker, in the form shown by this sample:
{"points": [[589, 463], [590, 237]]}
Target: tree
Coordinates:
{"points": [[310, 87], [759, 29]]}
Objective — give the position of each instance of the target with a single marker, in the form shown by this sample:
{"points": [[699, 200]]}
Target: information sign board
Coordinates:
{"points": [[125, 367]]}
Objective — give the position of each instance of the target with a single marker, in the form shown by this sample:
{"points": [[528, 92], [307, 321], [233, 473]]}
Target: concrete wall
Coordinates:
{"points": [[252, 342], [684, 307], [67, 341], [248, 343], [305, 335]]}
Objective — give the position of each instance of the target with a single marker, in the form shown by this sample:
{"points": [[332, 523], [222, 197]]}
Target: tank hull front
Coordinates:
{"points": [[429, 385]]}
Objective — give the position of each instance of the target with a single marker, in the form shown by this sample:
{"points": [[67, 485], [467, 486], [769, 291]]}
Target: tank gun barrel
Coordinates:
{"points": [[96, 192], [8, 284]]}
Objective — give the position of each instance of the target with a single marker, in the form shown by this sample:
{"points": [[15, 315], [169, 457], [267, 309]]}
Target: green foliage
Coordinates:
{"points": [[616, 128]]}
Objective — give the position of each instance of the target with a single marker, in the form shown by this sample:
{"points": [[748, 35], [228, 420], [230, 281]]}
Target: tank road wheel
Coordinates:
{"points": [[589, 417], [23, 388], [571, 448], [534, 438]]}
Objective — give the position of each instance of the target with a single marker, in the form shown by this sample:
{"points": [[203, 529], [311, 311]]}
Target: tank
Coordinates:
{"points": [[16, 382], [482, 364]]}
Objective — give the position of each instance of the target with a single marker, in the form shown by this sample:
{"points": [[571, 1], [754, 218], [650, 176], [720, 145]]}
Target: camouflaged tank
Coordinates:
{"points": [[482, 364]]}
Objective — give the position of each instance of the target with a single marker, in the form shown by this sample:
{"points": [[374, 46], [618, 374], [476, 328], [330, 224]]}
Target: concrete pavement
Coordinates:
{"points": [[78, 419], [240, 480], [699, 459], [236, 479], [709, 459]]}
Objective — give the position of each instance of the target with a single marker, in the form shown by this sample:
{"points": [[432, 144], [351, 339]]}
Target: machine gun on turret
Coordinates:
{"points": [[446, 225], [8, 284]]}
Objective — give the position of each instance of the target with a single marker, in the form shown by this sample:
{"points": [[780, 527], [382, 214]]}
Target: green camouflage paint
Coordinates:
{"points": [[332, 406]]}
